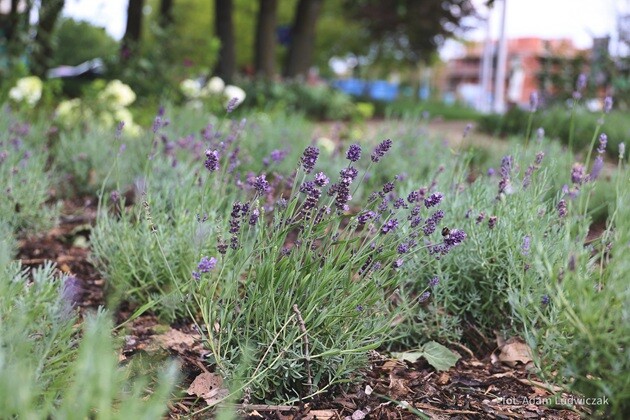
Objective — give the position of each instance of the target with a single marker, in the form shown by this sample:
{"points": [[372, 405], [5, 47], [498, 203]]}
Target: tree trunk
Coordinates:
{"points": [[49, 11], [166, 13], [300, 55], [224, 26], [133, 31], [265, 54]]}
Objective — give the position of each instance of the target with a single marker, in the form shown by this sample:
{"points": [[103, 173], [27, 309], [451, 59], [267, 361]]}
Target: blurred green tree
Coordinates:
{"points": [[77, 42]]}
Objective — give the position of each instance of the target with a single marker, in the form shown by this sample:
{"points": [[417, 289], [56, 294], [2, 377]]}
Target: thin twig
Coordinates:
{"points": [[307, 354]]}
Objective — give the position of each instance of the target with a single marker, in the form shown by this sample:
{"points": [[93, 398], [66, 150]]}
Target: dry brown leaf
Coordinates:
{"points": [[321, 415], [175, 338], [209, 387], [443, 379], [515, 351]]}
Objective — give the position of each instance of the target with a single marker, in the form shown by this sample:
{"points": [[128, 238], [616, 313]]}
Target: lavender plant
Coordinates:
{"points": [[25, 183], [49, 368], [306, 287]]}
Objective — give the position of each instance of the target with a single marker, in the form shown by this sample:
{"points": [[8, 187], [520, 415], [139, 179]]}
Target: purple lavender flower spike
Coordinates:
{"points": [[562, 208], [206, 264], [603, 141], [434, 281], [433, 200], [390, 225], [261, 185], [608, 104], [354, 153], [365, 217], [381, 150], [577, 174], [526, 245], [321, 180], [309, 158], [424, 297], [596, 170], [212, 160]]}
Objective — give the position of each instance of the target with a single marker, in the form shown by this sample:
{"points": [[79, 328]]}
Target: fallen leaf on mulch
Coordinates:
{"points": [[515, 351], [208, 386], [175, 340]]}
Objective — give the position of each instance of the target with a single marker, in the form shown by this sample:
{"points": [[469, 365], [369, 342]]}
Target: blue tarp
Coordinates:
{"points": [[380, 90]]}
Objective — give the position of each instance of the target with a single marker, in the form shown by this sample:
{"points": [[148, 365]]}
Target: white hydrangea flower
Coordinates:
{"points": [[232, 92], [68, 112], [215, 85], [190, 88], [117, 93], [27, 89]]}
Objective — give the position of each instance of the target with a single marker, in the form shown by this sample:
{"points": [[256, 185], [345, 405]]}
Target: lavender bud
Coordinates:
{"points": [[603, 141], [389, 225], [596, 170], [381, 150], [433, 200], [492, 222], [253, 217], [309, 158], [424, 297], [608, 104], [321, 179], [491, 172], [354, 153], [577, 174], [212, 160], [206, 264], [562, 208], [261, 185], [231, 105], [539, 158], [434, 281], [526, 245], [545, 300]]}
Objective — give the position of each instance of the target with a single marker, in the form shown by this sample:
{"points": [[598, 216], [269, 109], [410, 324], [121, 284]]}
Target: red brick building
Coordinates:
{"points": [[525, 58]]}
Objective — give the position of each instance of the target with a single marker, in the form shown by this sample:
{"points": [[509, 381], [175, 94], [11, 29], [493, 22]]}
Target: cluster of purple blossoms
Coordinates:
{"points": [[212, 160], [253, 216], [424, 296], [276, 156], [205, 265], [321, 180], [365, 217], [405, 247], [261, 185], [434, 281], [608, 104], [453, 238], [313, 193], [309, 158], [238, 209], [380, 150], [431, 223], [505, 185], [354, 153], [578, 176], [531, 168], [562, 208], [389, 226], [526, 245], [231, 105], [342, 188], [433, 200], [598, 164]]}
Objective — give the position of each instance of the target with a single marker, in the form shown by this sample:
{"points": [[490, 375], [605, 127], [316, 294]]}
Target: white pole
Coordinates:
{"points": [[485, 78], [499, 82]]}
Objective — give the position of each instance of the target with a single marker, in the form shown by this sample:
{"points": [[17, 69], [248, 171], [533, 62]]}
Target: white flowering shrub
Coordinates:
{"points": [[215, 91], [107, 107], [27, 91]]}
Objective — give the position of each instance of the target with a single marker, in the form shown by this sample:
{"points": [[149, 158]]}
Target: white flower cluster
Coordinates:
{"points": [[28, 90], [195, 90], [109, 110]]}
